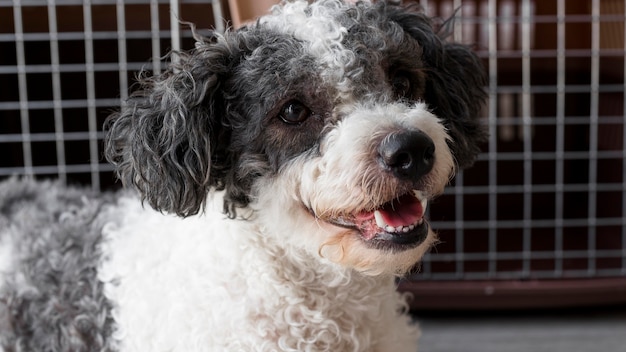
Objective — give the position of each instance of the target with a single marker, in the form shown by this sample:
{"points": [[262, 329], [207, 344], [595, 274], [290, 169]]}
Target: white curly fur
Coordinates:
{"points": [[316, 25], [205, 284]]}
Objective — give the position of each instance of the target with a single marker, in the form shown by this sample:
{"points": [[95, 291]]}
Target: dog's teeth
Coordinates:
{"points": [[423, 199], [380, 221]]}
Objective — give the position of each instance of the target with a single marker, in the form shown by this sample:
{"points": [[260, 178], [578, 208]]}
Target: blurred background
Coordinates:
{"points": [[538, 223]]}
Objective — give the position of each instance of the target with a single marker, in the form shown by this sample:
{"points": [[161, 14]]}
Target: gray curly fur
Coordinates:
{"points": [[53, 301], [198, 125]]}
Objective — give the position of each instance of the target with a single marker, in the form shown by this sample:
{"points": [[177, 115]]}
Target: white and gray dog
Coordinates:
{"points": [[283, 174]]}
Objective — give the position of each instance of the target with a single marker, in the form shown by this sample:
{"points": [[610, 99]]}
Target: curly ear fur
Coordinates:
{"points": [[455, 82], [163, 141], [458, 93]]}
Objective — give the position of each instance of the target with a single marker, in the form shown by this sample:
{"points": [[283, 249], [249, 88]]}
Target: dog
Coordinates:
{"points": [[277, 184]]}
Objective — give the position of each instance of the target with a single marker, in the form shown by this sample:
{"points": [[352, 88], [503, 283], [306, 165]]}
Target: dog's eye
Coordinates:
{"points": [[294, 112], [401, 84]]}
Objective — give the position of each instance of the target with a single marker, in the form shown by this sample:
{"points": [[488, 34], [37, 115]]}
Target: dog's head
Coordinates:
{"points": [[335, 123]]}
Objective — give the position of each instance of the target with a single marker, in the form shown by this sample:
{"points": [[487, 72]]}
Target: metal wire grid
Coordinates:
{"points": [[490, 220], [18, 74], [583, 234]]}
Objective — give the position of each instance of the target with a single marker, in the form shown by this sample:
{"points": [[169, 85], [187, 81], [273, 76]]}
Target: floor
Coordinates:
{"points": [[592, 330]]}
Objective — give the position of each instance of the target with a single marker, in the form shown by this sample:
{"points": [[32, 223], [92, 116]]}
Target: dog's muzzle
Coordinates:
{"points": [[398, 223]]}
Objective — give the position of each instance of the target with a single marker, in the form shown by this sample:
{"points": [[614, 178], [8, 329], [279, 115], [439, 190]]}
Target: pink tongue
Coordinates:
{"points": [[404, 211]]}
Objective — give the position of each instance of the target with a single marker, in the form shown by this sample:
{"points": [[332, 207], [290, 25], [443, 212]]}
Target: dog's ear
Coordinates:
{"points": [[165, 139], [455, 82], [456, 88]]}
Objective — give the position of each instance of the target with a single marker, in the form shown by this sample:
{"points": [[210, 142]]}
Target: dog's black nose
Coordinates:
{"points": [[409, 155]]}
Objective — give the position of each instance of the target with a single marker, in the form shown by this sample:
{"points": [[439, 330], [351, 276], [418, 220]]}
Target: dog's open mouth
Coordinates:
{"points": [[399, 222]]}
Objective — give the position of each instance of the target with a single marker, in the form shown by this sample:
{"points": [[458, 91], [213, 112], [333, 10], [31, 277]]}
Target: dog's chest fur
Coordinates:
{"points": [[180, 279]]}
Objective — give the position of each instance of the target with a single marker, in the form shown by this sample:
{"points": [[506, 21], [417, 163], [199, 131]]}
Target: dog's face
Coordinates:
{"points": [[335, 123]]}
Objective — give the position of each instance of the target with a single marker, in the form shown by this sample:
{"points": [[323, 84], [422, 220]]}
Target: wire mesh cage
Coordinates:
{"points": [[546, 199]]}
